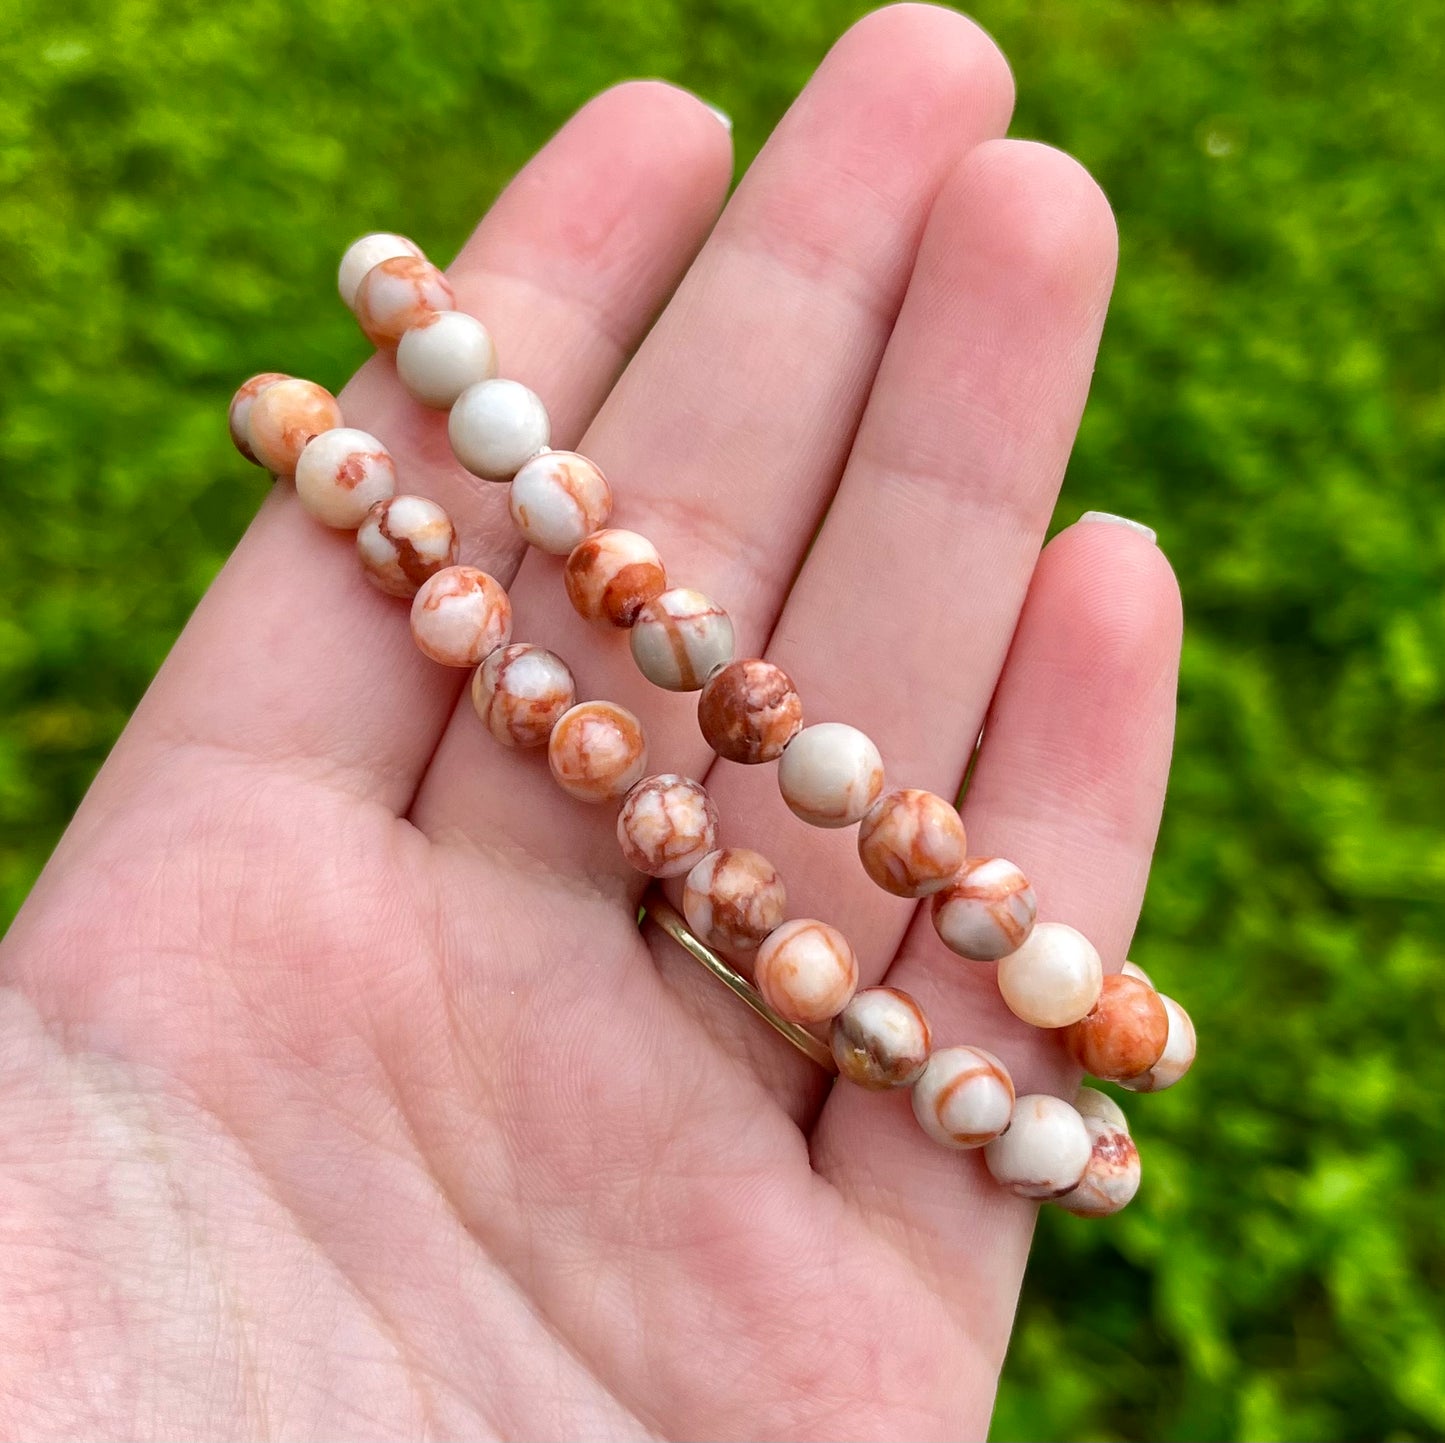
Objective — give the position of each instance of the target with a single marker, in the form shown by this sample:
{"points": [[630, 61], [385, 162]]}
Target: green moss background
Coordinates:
{"points": [[178, 181]]}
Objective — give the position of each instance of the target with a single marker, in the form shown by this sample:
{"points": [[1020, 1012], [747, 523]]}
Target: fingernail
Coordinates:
{"points": [[1108, 518], [723, 118]]}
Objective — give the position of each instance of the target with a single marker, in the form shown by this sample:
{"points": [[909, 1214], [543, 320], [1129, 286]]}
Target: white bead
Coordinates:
{"points": [[807, 970], [520, 692], [733, 898], [1111, 1177], [1092, 1103], [964, 1098], [557, 500], [342, 474], [368, 251], [443, 354], [986, 911], [496, 427], [1045, 1150], [460, 616], [830, 774], [1054, 979], [680, 638], [881, 1039], [404, 542], [1178, 1055], [1131, 969], [667, 825]]}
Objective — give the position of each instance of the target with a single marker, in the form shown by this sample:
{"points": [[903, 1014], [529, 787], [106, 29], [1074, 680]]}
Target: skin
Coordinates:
{"points": [[340, 1094]]}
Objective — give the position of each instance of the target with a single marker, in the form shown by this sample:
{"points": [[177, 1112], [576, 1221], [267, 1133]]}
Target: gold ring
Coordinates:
{"points": [[673, 923]]}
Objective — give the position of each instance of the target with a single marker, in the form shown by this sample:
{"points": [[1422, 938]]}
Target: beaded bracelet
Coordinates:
{"points": [[910, 842]]}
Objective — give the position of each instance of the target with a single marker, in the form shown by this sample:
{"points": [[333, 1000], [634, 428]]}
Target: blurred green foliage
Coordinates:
{"points": [[179, 180]]}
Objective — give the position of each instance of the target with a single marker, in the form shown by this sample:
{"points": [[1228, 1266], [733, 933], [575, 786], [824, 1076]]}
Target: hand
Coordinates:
{"points": [[342, 1096]]}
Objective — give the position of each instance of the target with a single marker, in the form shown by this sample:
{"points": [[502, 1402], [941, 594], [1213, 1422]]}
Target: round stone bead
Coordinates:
{"points": [[496, 427], [1054, 979], [238, 418], [403, 541], [749, 711], [1044, 1152], [1091, 1103], [667, 825], [986, 911], [1111, 1177], [881, 1039], [680, 638], [612, 575], [284, 417], [460, 616], [520, 691], [806, 970], [557, 500], [911, 842], [597, 751], [1130, 969], [733, 898], [1177, 1057], [964, 1098], [443, 354], [1124, 1034], [361, 255], [830, 774], [397, 294], [341, 474]]}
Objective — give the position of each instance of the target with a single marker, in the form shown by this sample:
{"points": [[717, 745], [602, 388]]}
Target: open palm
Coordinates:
{"points": [[341, 1095]]}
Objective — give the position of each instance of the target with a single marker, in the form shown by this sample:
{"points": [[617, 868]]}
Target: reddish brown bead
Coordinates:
{"points": [[1125, 1032], [749, 711]]}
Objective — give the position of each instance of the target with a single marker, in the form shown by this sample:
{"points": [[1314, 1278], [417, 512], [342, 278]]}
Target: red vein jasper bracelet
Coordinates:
{"points": [[911, 843]]}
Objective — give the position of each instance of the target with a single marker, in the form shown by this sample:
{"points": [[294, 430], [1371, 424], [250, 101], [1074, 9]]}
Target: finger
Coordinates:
{"points": [[726, 436], [1070, 785], [292, 658], [902, 616]]}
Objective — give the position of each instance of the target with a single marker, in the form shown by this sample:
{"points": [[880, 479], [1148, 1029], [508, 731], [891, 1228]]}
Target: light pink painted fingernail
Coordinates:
{"points": [[1108, 518]]}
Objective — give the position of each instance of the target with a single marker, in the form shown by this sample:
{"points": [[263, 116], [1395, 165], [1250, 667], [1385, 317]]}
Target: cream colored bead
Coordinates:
{"points": [[460, 616], [557, 500], [1092, 1103], [238, 418], [403, 542], [362, 254], [733, 898], [397, 294], [1054, 978], [1131, 969], [964, 1098], [667, 825], [1044, 1152], [342, 474], [911, 842], [597, 751], [749, 711], [520, 691], [806, 970], [496, 427], [1111, 1177], [830, 774], [1178, 1055], [986, 911], [612, 575], [284, 417], [881, 1039], [443, 354], [680, 638], [1124, 1033]]}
